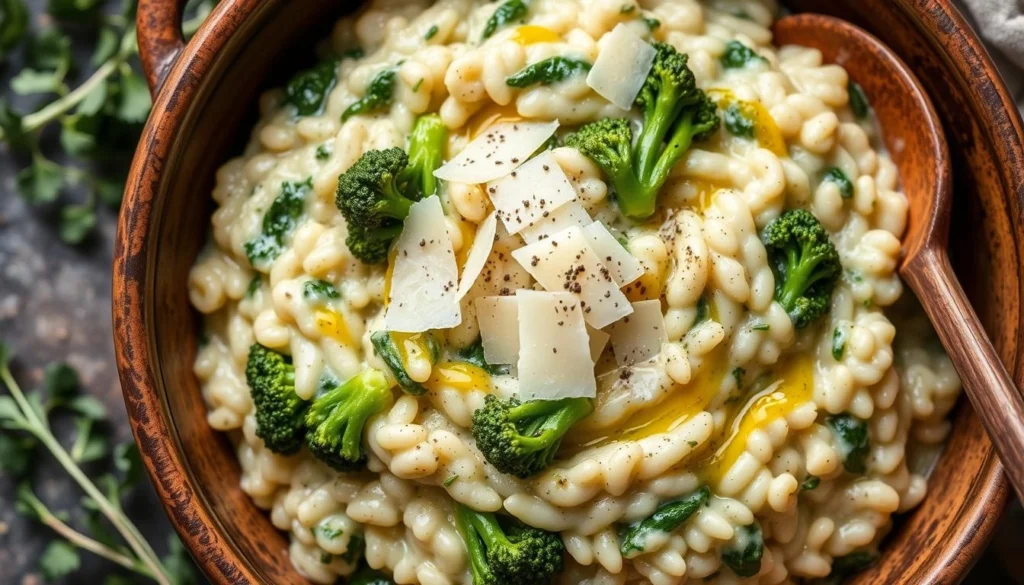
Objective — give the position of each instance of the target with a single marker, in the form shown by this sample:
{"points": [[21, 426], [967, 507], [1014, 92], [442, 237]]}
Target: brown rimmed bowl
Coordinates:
{"points": [[204, 104]]}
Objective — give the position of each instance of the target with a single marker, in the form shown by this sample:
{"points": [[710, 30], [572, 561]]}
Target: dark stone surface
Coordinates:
{"points": [[55, 305]]}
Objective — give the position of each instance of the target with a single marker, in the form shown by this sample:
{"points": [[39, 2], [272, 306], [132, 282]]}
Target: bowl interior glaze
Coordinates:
{"points": [[201, 117]]}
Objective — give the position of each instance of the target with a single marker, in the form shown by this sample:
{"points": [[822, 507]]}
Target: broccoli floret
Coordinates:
{"points": [[280, 412], [427, 145], [675, 113], [336, 419], [805, 263], [507, 552], [521, 438], [375, 194]]}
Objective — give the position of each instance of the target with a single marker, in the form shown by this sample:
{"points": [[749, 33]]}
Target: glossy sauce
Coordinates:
{"points": [[766, 132], [458, 375], [531, 34], [332, 324]]}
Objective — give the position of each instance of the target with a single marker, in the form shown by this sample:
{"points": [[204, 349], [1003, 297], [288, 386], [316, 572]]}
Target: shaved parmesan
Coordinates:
{"points": [[621, 66], [566, 216], [501, 274], [497, 152], [554, 351], [566, 262], [598, 341], [498, 318], [638, 337], [530, 192], [639, 384], [478, 253], [623, 266], [423, 292]]}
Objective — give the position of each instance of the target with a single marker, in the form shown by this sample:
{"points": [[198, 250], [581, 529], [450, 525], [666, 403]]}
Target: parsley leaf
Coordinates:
{"points": [[60, 559]]}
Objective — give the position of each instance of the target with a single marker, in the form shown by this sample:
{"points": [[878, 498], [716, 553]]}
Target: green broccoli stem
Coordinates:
{"points": [[678, 145], [466, 523], [657, 124], [548, 420], [635, 199], [800, 275], [426, 152], [395, 204]]}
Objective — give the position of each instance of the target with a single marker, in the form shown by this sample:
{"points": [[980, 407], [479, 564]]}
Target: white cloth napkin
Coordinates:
{"points": [[1001, 24]]}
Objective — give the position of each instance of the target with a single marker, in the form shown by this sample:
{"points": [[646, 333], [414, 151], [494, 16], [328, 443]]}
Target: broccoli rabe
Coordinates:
{"points": [[307, 92], [737, 56], [367, 576], [336, 419], [548, 71], [279, 222], [280, 412], [851, 440], [837, 176], [503, 551], [667, 518], [375, 193], [379, 94], [675, 113], [743, 553], [394, 350], [521, 439], [805, 263], [509, 12]]}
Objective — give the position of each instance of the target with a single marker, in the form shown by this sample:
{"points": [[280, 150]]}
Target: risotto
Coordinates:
{"points": [[569, 291]]}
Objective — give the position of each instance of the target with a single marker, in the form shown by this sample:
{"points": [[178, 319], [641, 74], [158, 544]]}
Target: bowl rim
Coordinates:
{"points": [[138, 364]]}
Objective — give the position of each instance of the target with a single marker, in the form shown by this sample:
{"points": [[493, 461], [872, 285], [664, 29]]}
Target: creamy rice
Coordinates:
{"points": [[635, 451]]}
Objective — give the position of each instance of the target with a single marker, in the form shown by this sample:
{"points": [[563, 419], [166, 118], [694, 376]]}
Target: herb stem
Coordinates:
{"points": [[84, 542], [51, 111], [122, 523]]}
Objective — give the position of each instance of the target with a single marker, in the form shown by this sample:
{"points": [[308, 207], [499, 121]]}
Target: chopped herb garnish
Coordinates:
{"points": [[652, 23], [737, 374], [702, 310], [761, 327], [450, 480], [431, 32], [627, 8], [417, 86], [323, 152]]}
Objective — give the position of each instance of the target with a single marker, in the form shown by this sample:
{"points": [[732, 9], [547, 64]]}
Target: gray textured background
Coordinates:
{"points": [[55, 304]]}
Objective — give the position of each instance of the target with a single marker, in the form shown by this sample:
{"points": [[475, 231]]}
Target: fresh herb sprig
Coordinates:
{"points": [[97, 123], [25, 427]]}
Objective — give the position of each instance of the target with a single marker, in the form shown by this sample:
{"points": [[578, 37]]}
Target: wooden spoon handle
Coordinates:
{"points": [[995, 397]]}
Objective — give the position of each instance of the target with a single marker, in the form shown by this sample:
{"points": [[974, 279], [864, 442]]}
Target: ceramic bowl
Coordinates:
{"points": [[205, 103]]}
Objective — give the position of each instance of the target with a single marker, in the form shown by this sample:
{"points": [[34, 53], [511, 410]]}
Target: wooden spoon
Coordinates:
{"points": [[914, 137]]}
